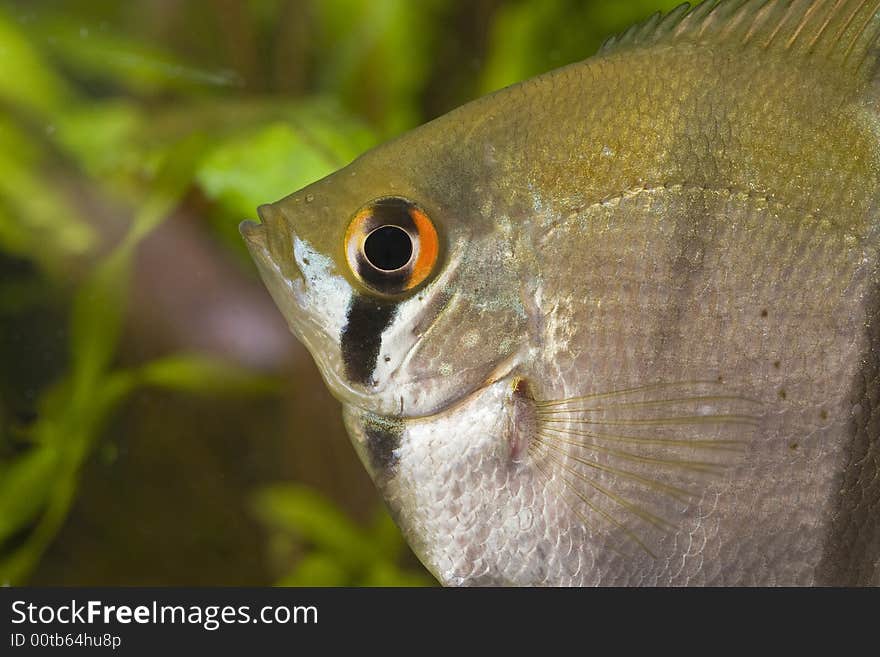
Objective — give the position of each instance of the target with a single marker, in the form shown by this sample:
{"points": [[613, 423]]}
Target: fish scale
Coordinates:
{"points": [[647, 352]]}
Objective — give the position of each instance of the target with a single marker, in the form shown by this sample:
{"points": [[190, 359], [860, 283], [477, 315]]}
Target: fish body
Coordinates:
{"points": [[618, 324]]}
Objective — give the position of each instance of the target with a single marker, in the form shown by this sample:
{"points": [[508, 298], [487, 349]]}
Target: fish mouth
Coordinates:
{"points": [[256, 234], [253, 232]]}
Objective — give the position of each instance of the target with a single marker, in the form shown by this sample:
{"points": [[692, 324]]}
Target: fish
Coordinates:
{"points": [[618, 324]]}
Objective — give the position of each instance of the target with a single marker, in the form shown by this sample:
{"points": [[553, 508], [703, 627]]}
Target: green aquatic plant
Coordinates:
{"points": [[152, 163], [38, 484], [334, 551]]}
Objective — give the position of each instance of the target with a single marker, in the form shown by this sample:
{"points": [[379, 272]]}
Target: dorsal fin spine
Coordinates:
{"points": [[849, 21], [802, 24], [760, 17], [737, 17], [868, 18], [821, 31], [779, 25], [844, 32]]}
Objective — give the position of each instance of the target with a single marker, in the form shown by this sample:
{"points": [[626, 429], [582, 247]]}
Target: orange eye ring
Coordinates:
{"points": [[391, 245]]}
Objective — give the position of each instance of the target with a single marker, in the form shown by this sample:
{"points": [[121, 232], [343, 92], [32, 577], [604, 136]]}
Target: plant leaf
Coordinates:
{"points": [[272, 160], [96, 52], [303, 512], [371, 59], [201, 374], [96, 320], [316, 570], [102, 137], [36, 221], [27, 82], [386, 573], [25, 485]]}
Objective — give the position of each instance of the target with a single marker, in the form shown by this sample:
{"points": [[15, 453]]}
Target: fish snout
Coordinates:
{"points": [[257, 234]]}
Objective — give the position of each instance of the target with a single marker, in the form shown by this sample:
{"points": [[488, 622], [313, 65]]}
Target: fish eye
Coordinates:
{"points": [[391, 245]]}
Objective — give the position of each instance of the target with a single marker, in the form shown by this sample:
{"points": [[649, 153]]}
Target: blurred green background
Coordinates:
{"points": [[158, 425]]}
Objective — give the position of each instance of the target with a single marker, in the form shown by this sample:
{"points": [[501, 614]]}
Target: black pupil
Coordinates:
{"points": [[388, 248]]}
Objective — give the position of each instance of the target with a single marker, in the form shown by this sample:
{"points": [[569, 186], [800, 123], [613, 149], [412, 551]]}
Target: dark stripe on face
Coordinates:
{"points": [[852, 547], [362, 336], [382, 440]]}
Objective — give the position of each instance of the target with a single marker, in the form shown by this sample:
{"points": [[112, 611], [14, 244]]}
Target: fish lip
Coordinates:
{"points": [[253, 232]]}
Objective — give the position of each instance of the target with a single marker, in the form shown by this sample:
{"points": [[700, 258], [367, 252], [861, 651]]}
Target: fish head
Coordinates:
{"points": [[397, 275], [406, 276]]}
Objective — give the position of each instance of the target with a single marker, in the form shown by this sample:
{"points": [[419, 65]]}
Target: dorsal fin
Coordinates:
{"points": [[841, 31]]}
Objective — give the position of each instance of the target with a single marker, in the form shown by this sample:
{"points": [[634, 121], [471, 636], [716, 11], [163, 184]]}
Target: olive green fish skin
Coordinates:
{"points": [[649, 355]]}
